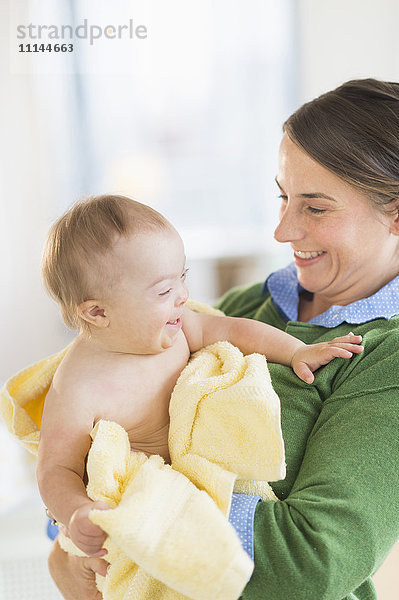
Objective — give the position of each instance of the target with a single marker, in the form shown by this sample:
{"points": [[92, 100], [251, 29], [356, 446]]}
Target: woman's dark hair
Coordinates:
{"points": [[354, 132]]}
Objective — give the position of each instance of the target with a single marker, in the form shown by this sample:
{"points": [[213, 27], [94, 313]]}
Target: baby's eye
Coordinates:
{"points": [[165, 293], [184, 274]]}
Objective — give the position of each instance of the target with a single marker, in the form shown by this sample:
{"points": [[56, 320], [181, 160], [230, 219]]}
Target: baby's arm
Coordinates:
{"points": [[64, 444], [279, 347]]}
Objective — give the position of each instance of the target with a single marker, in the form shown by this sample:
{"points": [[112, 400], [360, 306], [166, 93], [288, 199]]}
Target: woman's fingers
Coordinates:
{"points": [[86, 535], [98, 565], [75, 576]]}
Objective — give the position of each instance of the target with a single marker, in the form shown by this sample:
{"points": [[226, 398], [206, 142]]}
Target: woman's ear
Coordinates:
{"points": [[92, 312], [394, 225]]}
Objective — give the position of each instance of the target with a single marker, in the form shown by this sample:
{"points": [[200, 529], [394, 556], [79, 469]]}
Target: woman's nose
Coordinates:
{"points": [[289, 228]]}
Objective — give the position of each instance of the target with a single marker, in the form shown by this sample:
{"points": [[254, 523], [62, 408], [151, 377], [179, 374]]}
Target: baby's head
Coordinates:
{"points": [[80, 258]]}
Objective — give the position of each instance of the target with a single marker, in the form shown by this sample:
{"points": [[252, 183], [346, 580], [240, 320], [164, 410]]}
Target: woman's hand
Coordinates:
{"points": [[85, 535], [75, 576], [307, 359]]}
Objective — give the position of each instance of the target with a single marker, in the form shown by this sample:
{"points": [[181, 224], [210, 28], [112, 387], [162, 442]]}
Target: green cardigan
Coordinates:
{"points": [[339, 510]]}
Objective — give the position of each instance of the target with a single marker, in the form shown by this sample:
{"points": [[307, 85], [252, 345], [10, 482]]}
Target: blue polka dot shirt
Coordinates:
{"points": [[284, 289], [242, 513]]}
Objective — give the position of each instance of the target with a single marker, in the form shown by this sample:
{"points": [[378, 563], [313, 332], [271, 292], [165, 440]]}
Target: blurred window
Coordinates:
{"points": [[187, 120]]}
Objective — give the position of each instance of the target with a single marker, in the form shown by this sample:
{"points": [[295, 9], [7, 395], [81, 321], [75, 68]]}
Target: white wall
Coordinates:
{"points": [[27, 190], [345, 39]]}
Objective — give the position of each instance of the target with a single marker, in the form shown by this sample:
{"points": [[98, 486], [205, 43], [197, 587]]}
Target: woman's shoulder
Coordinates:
{"points": [[375, 370], [382, 330], [243, 301], [382, 338]]}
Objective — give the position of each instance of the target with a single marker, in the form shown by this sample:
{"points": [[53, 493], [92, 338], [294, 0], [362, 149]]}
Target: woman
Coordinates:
{"points": [[338, 514]]}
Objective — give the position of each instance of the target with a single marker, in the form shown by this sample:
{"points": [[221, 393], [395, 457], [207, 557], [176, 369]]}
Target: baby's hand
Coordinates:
{"points": [[309, 358], [84, 534]]}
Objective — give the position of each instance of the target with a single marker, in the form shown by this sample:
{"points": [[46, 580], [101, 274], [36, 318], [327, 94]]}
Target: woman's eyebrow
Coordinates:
{"points": [[317, 195], [310, 195]]}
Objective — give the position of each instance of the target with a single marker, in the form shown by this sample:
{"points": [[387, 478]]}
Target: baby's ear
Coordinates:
{"points": [[92, 312]]}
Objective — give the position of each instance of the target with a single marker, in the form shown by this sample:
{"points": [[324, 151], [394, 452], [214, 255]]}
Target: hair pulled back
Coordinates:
{"points": [[354, 132]]}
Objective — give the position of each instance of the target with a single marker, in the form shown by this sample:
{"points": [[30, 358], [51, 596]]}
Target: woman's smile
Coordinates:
{"points": [[304, 258]]}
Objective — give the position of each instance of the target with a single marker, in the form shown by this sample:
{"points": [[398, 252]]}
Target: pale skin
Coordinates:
{"points": [[142, 336]]}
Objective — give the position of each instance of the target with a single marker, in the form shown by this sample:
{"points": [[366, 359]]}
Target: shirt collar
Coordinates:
{"points": [[284, 289]]}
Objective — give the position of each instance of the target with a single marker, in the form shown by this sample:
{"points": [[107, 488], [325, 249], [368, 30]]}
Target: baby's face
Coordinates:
{"points": [[147, 302]]}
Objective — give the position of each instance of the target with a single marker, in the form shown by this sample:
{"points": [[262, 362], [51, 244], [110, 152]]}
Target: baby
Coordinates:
{"points": [[117, 269]]}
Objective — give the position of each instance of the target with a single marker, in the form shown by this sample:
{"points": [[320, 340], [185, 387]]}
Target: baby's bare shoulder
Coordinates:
{"points": [[82, 380]]}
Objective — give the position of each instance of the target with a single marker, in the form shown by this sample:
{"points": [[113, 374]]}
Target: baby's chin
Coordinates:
{"points": [[155, 346], [167, 341], [166, 344], [154, 349]]}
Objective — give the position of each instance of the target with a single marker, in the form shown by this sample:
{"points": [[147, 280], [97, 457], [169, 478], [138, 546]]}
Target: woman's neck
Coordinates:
{"points": [[308, 308], [311, 305]]}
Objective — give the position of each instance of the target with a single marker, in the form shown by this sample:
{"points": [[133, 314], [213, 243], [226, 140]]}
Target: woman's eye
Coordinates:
{"points": [[285, 198], [165, 293], [316, 211]]}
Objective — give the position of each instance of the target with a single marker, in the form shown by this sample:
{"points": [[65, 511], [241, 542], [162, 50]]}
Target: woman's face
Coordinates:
{"points": [[343, 247]]}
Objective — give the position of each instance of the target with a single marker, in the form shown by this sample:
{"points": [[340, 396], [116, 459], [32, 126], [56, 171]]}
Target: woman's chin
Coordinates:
{"points": [[311, 278], [309, 284]]}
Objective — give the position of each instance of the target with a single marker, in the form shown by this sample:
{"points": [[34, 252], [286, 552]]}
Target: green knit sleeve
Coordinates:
{"points": [[243, 301], [341, 517]]}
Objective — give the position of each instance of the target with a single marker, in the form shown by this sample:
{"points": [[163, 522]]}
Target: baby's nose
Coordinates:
{"points": [[182, 296]]}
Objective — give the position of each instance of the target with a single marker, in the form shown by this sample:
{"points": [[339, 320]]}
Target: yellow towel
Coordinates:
{"points": [[22, 400], [225, 424], [162, 522], [167, 538]]}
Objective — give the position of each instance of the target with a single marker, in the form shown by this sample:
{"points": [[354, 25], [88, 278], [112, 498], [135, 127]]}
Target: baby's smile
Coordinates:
{"points": [[176, 323]]}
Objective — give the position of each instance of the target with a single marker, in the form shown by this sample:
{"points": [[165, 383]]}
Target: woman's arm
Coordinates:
{"points": [[339, 510], [341, 516]]}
